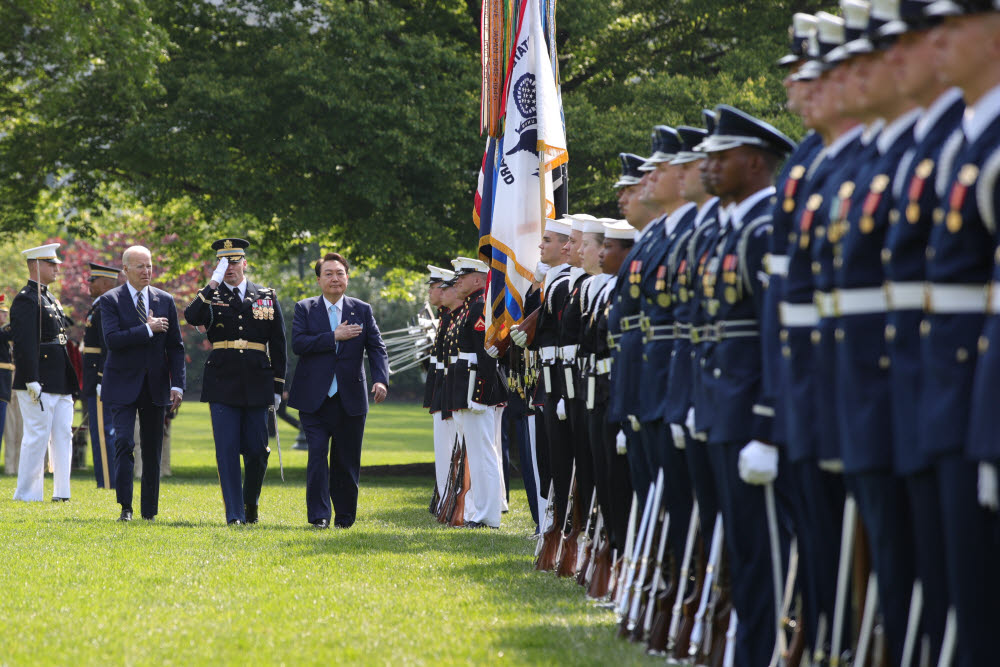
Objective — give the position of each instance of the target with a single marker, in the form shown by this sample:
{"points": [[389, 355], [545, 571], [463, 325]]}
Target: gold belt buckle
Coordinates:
{"points": [[239, 344]]}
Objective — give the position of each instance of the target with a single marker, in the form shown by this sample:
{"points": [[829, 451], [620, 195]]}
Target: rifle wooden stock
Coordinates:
{"points": [[528, 325], [570, 511], [682, 641], [462, 485], [546, 560], [600, 581], [447, 504], [571, 542], [797, 645], [583, 544]]}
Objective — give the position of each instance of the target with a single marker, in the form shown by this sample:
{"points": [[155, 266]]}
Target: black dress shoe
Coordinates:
{"points": [[474, 524], [148, 518], [321, 523], [126, 515], [235, 522], [57, 499], [251, 512], [345, 526]]}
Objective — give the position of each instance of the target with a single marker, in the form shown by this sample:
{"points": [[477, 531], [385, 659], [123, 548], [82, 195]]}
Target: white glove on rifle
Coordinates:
{"points": [[677, 431], [835, 466], [493, 351], [620, 442], [98, 391], [988, 495], [277, 401], [220, 270], [34, 390], [758, 463], [477, 408], [519, 337], [561, 410], [540, 270], [689, 422]]}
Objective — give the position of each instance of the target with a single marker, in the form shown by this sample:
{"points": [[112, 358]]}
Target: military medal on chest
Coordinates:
{"points": [[920, 176], [967, 176]]}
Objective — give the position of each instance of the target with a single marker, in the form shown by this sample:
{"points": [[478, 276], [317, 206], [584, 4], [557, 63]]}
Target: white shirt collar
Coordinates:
{"points": [[934, 112], [674, 218], [703, 211], [871, 131], [339, 305], [843, 140], [981, 114], [742, 208], [145, 293], [242, 287], [896, 129]]}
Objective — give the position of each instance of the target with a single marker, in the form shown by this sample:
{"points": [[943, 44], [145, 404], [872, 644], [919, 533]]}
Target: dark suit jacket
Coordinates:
{"points": [[319, 358], [133, 355]]}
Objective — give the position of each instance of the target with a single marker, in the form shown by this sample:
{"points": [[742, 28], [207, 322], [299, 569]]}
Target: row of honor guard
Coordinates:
{"points": [[794, 345]]}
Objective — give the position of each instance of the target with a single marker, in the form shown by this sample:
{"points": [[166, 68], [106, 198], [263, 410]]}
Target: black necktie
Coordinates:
{"points": [[140, 306]]}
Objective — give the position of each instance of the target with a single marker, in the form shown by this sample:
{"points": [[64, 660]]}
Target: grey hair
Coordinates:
{"points": [[131, 250]]}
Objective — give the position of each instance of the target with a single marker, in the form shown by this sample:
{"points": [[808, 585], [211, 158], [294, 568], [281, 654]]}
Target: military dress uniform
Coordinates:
{"points": [[624, 324], [444, 437], [478, 395], [558, 436], [94, 353], [682, 376], [243, 373], [571, 389], [6, 369], [610, 467], [733, 294], [960, 264], [903, 258], [659, 336], [38, 328]]}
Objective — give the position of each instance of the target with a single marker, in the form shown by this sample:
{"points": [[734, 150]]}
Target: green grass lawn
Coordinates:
{"points": [[76, 587]]}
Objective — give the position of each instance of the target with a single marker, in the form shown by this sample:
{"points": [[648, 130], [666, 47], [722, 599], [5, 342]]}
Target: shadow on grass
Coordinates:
{"points": [[406, 474]]}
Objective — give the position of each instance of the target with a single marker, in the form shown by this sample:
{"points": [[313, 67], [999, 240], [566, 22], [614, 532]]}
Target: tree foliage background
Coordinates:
{"points": [[305, 125]]}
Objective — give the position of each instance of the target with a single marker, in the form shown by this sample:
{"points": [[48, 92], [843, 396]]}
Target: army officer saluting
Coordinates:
{"points": [[244, 373]]}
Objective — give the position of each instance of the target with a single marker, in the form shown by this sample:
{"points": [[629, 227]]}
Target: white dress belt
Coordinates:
{"points": [[955, 299], [905, 296], [798, 314], [824, 303], [469, 356], [548, 353], [858, 301], [567, 352]]}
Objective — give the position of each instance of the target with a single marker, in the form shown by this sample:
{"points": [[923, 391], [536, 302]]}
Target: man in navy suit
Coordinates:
{"points": [[331, 334], [143, 373]]}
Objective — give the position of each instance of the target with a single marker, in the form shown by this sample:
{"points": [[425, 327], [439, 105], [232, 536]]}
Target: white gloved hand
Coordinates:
{"points": [[34, 390], [758, 463], [277, 401], [477, 408], [689, 422], [519, 337], [677, 431], [540, 270], [220, 270], [561, 410], [988, 495], [835, 466], [493, 351], [98, 390], [620, 442]]}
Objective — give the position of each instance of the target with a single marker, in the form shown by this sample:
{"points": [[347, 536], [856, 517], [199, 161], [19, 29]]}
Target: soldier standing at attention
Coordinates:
{"points": [[244, 374], [102, 278], [44, 376], [6, 365]]}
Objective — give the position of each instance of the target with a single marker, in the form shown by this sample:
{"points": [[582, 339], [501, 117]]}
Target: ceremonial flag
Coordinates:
{"points": [[515, 183]]}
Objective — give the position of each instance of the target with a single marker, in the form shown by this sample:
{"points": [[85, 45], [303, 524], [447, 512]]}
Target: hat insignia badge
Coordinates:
{"points": [[228, 244]]}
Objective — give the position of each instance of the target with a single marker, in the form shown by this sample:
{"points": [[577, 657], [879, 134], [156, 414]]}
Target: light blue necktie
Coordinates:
{"points": [[334, 323]]}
